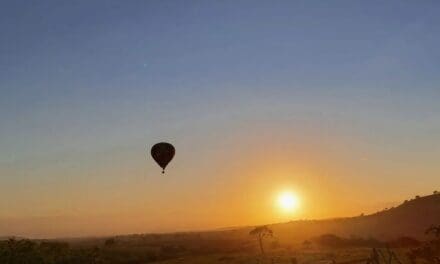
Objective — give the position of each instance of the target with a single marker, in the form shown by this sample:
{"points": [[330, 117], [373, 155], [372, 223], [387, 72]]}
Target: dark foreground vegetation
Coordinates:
{"points": [[193, 248]]}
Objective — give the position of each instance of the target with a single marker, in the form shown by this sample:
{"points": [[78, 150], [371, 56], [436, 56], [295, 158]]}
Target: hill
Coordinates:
{"points": [[411, 218]]}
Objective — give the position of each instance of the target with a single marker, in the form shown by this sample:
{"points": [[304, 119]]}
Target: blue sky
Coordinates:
{"points": [[86, 83]]}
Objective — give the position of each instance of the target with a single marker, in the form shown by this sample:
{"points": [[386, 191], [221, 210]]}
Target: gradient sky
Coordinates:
{"points": [[338, 102]]}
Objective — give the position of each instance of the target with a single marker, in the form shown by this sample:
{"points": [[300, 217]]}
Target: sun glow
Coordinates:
{"points": [[288, 201]]}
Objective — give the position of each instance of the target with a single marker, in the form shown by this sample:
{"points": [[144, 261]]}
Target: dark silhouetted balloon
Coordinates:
{"points": [[163, 153]]}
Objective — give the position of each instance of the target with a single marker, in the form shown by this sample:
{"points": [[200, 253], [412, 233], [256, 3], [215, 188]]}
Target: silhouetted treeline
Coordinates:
{"points": [[334, 241], [32, 252], [29, 252], [114, 251]]}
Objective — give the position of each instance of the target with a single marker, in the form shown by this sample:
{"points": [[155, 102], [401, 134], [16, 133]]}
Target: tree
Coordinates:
{"points": [[261, 232], [330, 240], [430, 250], [435, 230], [306, 244], [110, 242]]}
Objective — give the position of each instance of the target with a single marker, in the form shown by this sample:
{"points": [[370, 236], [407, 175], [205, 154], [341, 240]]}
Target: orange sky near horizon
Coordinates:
{"points": [[124, 192]]}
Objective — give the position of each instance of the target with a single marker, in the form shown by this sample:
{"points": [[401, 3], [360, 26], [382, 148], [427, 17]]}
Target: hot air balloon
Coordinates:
{"points": [[163, 153]]}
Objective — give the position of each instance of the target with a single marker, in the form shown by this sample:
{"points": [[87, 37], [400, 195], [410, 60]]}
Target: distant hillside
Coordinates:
{"points": [[411, 218]]}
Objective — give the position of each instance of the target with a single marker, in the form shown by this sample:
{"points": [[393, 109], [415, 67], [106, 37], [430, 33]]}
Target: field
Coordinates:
{"points": [[205, 248]]}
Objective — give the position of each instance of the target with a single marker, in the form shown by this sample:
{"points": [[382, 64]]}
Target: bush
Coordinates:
{"points": [[333, 241], [404, 242]]}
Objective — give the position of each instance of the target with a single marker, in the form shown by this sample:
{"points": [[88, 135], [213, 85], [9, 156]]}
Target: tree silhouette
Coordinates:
{"points": [[110, 242], [435, 230], [430, 250], [306, 244], [260, 232]]}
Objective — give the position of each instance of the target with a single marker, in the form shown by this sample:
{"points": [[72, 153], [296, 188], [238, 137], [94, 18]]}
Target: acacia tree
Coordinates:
{"points": [[260, 232]]}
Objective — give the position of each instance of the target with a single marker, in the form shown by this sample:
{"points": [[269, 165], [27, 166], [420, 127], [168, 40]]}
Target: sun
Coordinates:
{"points": [[288, 201]]}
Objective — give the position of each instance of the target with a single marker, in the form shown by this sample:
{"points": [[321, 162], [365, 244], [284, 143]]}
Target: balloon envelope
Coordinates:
{"points": [[163, 153]]}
